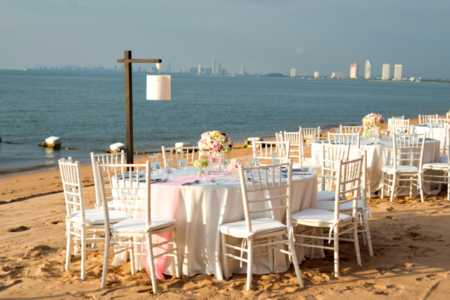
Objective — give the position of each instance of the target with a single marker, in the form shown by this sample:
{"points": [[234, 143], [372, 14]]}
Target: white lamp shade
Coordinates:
{"points": [[158, 87]]}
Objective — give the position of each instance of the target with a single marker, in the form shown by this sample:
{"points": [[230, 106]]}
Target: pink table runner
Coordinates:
{"points": [[165, 197]]}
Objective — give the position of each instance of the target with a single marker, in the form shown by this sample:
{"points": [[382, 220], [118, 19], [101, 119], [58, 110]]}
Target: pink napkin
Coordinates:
{"points": [[165, 197]]}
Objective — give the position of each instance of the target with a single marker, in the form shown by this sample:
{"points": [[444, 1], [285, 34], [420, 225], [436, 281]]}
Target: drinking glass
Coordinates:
{"points": [[182, 163], [168, 172], [275, 161], [255, 161], [158, 165], [225, 163], [247, 160]]}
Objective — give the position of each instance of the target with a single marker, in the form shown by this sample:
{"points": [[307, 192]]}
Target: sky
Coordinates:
{"points": [[265, 36]]}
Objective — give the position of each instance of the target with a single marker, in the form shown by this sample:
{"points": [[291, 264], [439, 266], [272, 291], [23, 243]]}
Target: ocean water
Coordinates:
{"points": [[87, 110]]}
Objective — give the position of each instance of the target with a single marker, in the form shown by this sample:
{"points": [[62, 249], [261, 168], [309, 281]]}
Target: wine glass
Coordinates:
{"points": [[255, 161], [275, 161], [182, 163], [157, 164], [225, 163], [247, 160], [168, 172]]}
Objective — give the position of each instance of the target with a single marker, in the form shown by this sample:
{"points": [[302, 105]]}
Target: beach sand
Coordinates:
{"points": [[411, 244]]}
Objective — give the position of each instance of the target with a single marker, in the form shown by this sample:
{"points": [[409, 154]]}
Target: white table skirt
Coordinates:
{"points": [[435, 133], [379, 155], [205, 206]]}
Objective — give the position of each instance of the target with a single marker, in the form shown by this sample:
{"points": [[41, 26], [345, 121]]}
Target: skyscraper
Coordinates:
{"points": [[354, 71], [293, 72], [243, 70], [213, 66], [316, 74], [220, 68], [385, 75], [398, 72], [199, 69], [368, 72]]}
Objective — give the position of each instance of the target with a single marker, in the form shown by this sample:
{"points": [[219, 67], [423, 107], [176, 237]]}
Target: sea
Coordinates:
{"points": [[87, 110]]}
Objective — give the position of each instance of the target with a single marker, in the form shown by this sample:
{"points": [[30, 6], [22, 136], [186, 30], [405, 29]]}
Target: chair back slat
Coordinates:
{"points": [[175, 154], [400, 126], [310, 134], [73, 187], [423, 119], [296, 143], [391, 122], [347, 184], [351, 139], [330, 155], [257, 184]]}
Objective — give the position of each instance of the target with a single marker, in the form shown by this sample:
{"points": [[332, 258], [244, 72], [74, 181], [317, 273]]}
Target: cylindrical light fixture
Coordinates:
{"points": [[158, 87]]}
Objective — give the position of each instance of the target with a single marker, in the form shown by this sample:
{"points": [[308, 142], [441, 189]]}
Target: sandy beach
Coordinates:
{"points": [[411, 244]]}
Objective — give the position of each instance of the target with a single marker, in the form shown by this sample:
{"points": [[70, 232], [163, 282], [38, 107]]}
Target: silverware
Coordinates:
{"points": [[191, 183], [214, 181]]}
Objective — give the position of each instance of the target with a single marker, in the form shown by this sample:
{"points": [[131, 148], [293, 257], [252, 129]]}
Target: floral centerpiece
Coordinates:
{"points": [[214, 144], [233, 166], [372, 123]]}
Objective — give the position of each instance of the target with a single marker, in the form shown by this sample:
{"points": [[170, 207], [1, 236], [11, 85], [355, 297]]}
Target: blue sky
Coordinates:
{"points": [[265, 36]]}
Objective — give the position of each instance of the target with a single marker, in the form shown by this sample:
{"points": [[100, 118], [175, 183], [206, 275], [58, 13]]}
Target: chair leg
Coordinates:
{"points": [[336, 251], [367, 233], [270, 251], [420, 187], [132, 258], [394, 181], [295, 260], [176, 253], [356, 241], [83, 253], [382, 184], [151, 262], [250, 263], [69, 245], [105, 262], [448, 188], [224, 257]]}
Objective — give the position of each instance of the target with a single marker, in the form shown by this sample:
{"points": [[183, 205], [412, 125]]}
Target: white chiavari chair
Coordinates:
{"points": [[128, 188], [304, 161], [407, 164], [295, 144], [175, 154], [310, 134], [279, 136], [423, 119], [391, 122], [442, 167], [82, 223], [268, 150], [348, 181], [351, 129], [262, 194], [401, 126], [330, 155], [351, 139], [362, 206], [104, 158]]}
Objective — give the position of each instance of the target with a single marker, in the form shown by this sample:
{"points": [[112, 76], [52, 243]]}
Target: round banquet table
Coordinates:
{"points": [[203, 207], [379, 155]]}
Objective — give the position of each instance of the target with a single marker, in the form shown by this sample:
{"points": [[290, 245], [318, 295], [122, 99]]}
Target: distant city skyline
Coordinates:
{"points": [[95, 33]]}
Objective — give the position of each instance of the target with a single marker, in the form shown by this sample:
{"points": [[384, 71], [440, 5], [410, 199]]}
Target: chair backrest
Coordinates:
{"points": [[296, 142], [400, 126], [437, 123], [104, 158], [408, 150], [330, 155], [423, 119], [73, 187], [391, 122], [176, 153], [127, 189], [351, 129], [268, 149], [351, 139], [347, 184], [310, 134], [279, 136], [257, 184]]}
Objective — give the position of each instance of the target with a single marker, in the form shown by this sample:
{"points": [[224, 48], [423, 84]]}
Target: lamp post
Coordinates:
{"points": [[160, 91]]}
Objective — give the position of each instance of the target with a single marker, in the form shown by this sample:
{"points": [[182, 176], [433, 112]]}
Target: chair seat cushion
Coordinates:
{"points": [[443, 158], [261, 225], [139, 225], [325, 196], [95, 216], [318, 217], [401, 169], [307, 165], [329, 205], [436, 166]]}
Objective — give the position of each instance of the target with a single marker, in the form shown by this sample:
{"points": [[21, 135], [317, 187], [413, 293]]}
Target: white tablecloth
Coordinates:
{"points": [[435, 133], [204, 207], [379, 155]]}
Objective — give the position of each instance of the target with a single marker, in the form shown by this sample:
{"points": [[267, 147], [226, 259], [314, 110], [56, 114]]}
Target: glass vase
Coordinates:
{"points": [[215, 164], [372, 135]]}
